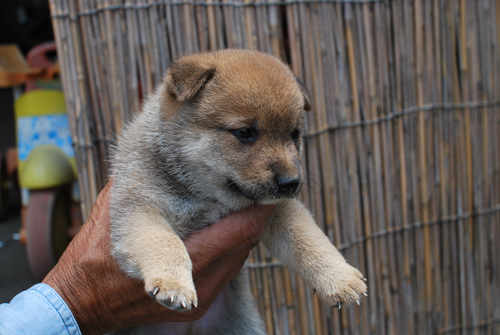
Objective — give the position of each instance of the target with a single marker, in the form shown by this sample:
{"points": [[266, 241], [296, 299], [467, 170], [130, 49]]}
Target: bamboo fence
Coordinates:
{"points": [[402, 150]]}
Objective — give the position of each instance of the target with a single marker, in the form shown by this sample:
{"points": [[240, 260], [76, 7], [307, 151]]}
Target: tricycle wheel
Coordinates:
{"points": [[47, 221]]}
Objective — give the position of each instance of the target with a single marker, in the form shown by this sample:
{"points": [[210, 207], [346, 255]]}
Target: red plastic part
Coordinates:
{"points": [[37, 57], [43, 218], [38, 217]]}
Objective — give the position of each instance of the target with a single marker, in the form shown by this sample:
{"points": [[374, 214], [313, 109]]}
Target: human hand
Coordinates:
{"points": [[104, 299]]}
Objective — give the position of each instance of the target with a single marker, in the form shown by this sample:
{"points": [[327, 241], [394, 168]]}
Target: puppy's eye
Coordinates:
{"points": [[296, 134], [245, 135]]}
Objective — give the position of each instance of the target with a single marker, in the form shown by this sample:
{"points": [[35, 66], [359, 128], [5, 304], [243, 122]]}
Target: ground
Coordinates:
{"points": [[15, 273]]}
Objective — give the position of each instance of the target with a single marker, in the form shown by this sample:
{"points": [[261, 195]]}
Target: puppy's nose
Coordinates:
{"points": [[287, 185]]}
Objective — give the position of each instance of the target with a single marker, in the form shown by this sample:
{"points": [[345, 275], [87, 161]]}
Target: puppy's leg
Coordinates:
{"points": [[293, 237], [154, 250]]}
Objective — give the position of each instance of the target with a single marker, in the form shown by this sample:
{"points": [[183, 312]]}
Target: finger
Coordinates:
{"points": [[230, 233]]}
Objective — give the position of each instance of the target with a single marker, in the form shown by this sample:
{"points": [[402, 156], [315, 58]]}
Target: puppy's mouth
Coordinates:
{"points": [[233, 186], [262, 194]]}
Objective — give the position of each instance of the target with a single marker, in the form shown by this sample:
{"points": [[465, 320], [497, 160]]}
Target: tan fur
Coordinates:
{"points": [[183, 163], [173, 272], [293, 237]]}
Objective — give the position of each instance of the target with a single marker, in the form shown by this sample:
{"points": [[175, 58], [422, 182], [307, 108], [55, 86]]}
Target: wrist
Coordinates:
{"points": [[76, 298]]}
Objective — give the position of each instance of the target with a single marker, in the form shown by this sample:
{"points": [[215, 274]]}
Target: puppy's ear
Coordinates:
{"points": [[186, 77], [307, 97]]}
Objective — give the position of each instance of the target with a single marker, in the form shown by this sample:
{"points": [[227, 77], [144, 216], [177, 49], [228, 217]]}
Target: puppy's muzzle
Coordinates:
{"points": [[287, 185]]}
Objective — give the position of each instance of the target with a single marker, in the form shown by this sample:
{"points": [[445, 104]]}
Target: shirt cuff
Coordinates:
{"points": [[39, 310]]}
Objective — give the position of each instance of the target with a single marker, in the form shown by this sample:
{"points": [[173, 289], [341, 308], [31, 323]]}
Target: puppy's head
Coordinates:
{"points": [[238, 119]]}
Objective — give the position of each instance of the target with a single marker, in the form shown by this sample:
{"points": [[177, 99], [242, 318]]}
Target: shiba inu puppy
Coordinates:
{"points": [[221, 132]]}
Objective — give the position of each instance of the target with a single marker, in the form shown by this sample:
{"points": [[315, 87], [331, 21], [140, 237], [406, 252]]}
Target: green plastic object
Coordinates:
{"points": [[46, 166], [40, 102], [42, 163]]}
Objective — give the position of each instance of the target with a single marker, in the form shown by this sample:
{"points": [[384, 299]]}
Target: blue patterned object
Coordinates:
{"points": [[34, 131]]}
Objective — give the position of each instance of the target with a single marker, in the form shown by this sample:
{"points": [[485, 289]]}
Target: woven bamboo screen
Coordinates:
{"points": [[402, 149]]}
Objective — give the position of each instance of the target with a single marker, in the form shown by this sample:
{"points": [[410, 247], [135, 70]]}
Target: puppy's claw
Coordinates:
{"points": [[183, 303], [357, 301], [364, 279], [194, 304], [340, 305], [156, 290], [365, 294], [314, 291]]}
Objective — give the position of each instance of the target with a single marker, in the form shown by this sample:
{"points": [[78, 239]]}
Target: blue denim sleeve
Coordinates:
{"points": [[39, 310]]}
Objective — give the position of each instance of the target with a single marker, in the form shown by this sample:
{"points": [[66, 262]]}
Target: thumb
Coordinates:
{"points": [[239, 229]]}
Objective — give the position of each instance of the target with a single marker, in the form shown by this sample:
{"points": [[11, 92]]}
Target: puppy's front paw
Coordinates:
{"points": [[177, 293], [341, 286]]}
